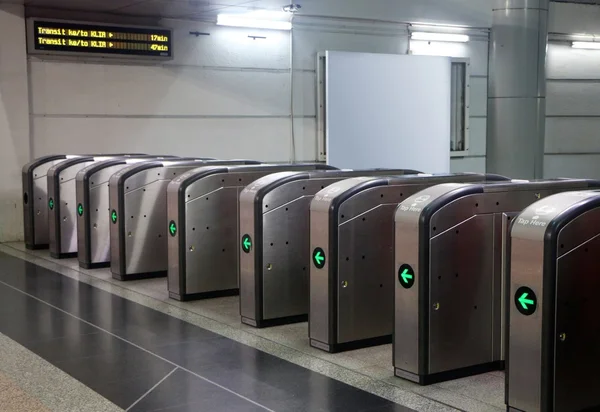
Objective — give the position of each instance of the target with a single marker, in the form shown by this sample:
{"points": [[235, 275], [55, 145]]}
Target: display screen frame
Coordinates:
{"points": [[32, 37]]}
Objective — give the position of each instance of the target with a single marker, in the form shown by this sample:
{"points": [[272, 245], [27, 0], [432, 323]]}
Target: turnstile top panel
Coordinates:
{"points": [[541, 219], [29, 167], [97, 166], [434, 198], [338, 193], [192, 176], [261, 187], [60, 167]]}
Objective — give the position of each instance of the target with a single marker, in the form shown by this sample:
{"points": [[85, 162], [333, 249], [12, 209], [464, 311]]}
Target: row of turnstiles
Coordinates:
{"points": [[464, 273]]}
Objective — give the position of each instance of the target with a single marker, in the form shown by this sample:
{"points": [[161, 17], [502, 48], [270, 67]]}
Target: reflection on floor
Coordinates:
{"points": [[368, 369]]}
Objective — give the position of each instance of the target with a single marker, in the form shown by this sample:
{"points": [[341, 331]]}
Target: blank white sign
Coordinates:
{"points": [[388, 111]]}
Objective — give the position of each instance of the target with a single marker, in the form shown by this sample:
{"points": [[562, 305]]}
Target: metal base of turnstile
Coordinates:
{"points": [[99, 265], [37, 247], [206, 295], [274, 322], [449, 375], [63, 255], [357, 344], [139, 276]]}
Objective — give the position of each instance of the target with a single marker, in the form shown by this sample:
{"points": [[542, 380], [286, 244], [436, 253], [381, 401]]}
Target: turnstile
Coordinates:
{"points": [[138, 216], [203, 207], [352, 256], [554, 336], [93, 223], [62, 221], [35, 199], [274, 219], [449, 247]]}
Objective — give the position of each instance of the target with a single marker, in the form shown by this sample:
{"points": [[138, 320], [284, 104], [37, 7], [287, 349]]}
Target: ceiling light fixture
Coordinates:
{"points": [[449, 37], [261, 19], [586, 45]]}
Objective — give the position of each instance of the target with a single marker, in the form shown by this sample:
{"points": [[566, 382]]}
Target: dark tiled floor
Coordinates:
{"points": [[144, 359]]}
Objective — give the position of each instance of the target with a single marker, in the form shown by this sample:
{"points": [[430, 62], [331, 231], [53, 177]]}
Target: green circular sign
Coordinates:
{"points": [[406, 276], [51, 203], [80, 209], [113, 216], [172, 228], [246, 243], [318, 257], [526, 301]]}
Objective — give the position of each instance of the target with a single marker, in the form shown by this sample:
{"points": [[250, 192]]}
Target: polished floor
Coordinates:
{"points": [[142, 351]]}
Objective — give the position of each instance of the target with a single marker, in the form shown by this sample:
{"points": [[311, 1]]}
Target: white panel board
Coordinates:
{"points": [[388, 111], [307, 43], [467, 165], [475, 50], [82, 89], [586, 166], [572, 98], [572, 135], [261, 139], [565, 62]]}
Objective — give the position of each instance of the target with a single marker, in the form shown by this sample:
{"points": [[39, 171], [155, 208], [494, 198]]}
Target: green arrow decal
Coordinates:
{"points": [[319, 258], [524, 301], [246, 243], [80, 209], [406, 277], [172, 228], [113, 216], [51, 203]]}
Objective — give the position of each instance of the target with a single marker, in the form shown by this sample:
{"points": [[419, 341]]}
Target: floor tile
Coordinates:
{"points": [[184, 391]]}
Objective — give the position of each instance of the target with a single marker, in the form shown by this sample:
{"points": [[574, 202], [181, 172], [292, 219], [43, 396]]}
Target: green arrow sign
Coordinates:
{"points": [[526, 301], [113, 216], [406, 276], [172, 228], [318, 257], [80, 209], [246, 243], [51, 203]]}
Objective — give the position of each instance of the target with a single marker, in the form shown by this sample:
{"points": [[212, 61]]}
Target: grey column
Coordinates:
{"points": [[517, 88]]}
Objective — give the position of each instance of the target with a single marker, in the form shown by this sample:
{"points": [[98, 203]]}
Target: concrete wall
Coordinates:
{"points": [[14, 119], [573, 96]]}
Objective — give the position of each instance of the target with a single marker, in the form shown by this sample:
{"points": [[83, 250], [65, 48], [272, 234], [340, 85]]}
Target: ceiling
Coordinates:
{"points": [[178, 9]]}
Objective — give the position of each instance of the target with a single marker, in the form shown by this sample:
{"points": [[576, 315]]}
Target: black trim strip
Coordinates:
{"points": [[58, 254], [549, 295], [28, 209], [423, 277]]}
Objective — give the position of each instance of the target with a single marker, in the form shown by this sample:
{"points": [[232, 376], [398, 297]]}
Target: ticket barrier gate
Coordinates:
{"points": [[449, 266], [138, 215], [35, 200], [93, 223], [62, 222], [203, 209], [554, 337], [274, 224], [352, 256]]}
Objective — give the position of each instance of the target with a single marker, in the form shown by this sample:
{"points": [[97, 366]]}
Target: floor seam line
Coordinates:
{"points": [[152, 388], [139, 347]]}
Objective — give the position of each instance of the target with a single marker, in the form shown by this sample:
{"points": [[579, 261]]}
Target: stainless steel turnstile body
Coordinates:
{"points": [[554, 338], [204, 206], [449, 248], [138, 216], [62, 205], [93, 223], [351, 247], [275, 216], [35, 200]]}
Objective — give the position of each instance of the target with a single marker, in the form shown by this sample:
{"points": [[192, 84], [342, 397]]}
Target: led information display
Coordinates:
{"points": [[48, 36]]}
